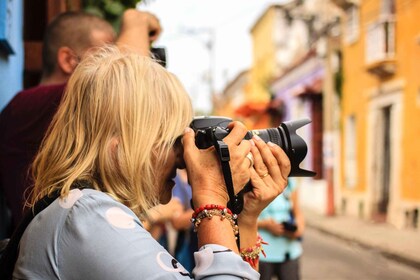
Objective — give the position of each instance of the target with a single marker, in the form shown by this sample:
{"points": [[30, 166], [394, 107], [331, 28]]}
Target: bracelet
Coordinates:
{"points": [[252, 254], [210, 210], [210, 207]]}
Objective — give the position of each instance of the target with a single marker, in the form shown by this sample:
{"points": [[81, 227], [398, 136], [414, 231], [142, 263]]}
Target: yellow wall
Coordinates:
{"points": [[358, 82], [264, 65], [408, 57]]}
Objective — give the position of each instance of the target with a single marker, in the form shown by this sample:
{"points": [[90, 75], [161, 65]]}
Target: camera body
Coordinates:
{"points": [[208, 130], [290, 227], [159, 54]]}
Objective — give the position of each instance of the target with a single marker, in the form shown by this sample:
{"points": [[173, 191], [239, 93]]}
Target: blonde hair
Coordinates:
{"points": [[118, 120]]}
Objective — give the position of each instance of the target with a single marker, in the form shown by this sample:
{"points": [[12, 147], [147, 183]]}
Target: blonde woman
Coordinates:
{"points": [[112, 152]]}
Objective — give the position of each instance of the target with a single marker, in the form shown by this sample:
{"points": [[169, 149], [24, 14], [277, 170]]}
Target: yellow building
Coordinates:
{"points": [[380, 154], [247, 96], [264, 68]]}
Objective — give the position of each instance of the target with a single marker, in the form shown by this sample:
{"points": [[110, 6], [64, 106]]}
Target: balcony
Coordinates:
{"points": [[345, 4], [380, 47]]}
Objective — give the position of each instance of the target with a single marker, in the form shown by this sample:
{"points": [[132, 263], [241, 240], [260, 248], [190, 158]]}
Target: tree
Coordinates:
{"points": [[111, 10]]}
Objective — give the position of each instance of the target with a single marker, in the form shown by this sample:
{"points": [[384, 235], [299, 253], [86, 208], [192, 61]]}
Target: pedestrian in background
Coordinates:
{"points": [[281, 225], [186, 238]]}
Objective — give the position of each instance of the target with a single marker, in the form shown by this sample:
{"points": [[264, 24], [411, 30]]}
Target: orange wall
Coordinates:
{"points": [[408, 56], [357, 81]]}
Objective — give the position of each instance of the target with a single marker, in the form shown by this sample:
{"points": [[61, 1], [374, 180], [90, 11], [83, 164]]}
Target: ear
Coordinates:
{"points": [[67, 60], [114, 145]]}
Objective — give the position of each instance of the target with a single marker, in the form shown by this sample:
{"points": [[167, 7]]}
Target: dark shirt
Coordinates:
{"points": [[23, 123]]}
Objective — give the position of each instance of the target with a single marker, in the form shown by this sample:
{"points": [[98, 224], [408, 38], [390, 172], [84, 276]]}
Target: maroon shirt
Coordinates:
{"points": [[23, 123]]}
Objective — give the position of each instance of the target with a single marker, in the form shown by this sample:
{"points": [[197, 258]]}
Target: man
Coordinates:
{"points": [[25, 120]]}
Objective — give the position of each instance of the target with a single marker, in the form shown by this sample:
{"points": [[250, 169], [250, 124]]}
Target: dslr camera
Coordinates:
{"points": [[159, 54], [208, 130]]}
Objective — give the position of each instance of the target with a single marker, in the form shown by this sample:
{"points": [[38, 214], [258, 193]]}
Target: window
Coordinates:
{"points": [[352, 24], [388, 7], [380, 35], [350, 161]]}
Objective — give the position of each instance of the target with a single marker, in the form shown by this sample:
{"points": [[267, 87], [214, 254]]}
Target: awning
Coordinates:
{"points": [[251, 108], [304, 78]]}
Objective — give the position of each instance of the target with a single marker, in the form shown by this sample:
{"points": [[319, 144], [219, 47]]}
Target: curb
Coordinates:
{"points": [[383, 251]]}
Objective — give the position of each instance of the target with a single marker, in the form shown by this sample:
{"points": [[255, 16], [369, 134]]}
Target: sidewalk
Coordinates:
{"points": [[400, 245]]}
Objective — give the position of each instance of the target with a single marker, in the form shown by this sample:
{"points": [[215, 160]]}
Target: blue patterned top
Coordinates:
{"points": [[89, 235]]}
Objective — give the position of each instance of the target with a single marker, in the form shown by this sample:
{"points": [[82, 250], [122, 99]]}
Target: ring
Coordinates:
{"points": [[263, 176], [251, 159]]}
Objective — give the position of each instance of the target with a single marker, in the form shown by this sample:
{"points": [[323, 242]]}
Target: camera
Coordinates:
{"points": [[288, 226], [159, 54], [210, 129]]}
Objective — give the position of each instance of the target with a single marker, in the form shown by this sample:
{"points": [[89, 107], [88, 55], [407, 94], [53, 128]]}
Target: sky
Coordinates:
{"points": [[208, 42]]}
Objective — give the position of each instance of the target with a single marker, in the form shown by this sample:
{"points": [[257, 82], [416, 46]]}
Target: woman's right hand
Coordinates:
{"points": [[204, 169]]}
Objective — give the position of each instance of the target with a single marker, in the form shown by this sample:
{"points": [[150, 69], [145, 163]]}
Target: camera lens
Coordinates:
{"points": [[294, 146], [210, 129]]}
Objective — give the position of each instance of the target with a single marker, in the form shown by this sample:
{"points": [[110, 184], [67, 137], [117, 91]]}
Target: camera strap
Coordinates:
{"points": [[236, 202]]}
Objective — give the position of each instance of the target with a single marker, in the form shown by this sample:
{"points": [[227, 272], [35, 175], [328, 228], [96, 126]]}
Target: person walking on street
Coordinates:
{"points": [[281, 225]]}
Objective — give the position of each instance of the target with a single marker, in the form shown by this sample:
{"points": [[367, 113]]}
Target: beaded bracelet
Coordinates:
{"points": [[210, 210], [210, 207], [252, 254]]}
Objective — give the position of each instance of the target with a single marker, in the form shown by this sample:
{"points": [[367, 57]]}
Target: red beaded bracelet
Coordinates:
{"points": [[252, 254], [210, 207]]}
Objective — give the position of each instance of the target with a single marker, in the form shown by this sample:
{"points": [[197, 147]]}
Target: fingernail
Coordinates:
{"points": [[257, 137], [187, 129], [271, 144]]}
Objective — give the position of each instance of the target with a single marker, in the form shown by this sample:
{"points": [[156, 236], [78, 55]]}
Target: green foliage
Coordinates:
{"points": [[111, 10], [339, 77]]}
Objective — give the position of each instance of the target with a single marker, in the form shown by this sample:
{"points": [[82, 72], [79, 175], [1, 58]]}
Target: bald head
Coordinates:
{"points": [[77, 31]]}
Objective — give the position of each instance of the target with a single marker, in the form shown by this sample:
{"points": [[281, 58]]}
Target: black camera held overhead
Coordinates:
{"points": [[159, 54], [210, 131]]}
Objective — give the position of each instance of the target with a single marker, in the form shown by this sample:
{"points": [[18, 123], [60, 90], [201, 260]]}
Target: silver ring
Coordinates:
{"points": [[251, 159]]}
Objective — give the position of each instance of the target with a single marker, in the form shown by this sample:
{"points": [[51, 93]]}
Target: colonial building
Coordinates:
{"points": [[295, 62], [380, 155], [302, 85]]}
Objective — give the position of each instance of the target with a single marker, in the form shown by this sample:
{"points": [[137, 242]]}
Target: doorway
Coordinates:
{"points": [[383, 160], [386, 163]]}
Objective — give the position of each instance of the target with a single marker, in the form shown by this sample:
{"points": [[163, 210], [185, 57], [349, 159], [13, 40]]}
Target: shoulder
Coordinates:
{"points": [[36, 97], [88, 204], [100, 231]]}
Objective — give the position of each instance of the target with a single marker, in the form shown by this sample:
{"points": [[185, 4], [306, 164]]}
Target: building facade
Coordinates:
{"points": [[380, 105], [292, 77], [303, 86]]}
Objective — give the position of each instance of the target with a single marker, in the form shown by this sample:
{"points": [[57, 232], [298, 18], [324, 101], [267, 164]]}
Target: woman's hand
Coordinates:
{"points": [[268, 177], [204, 169], [275, 228]]}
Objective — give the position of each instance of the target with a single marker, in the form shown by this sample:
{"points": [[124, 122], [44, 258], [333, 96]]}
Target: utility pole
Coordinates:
{"points": [[209, 44]]}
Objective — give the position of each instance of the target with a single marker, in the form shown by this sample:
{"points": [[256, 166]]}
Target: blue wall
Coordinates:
{"points": [[11, 66]]}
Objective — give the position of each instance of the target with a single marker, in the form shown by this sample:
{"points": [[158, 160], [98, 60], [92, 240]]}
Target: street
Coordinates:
{"points": [[329, 258]]}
